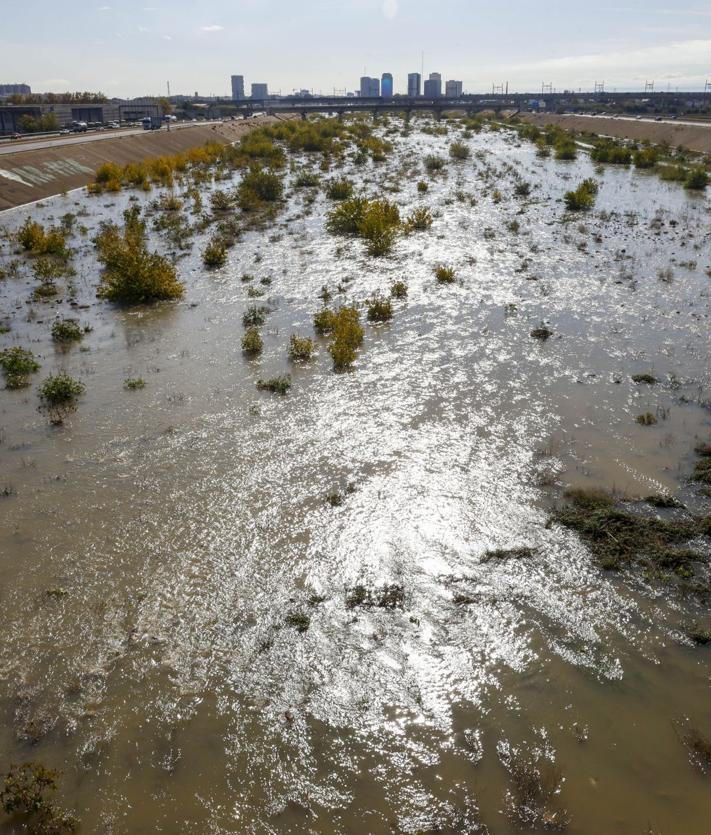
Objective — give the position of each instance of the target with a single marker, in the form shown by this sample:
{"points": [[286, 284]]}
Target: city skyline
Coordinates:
{"points": [[135, 49]]}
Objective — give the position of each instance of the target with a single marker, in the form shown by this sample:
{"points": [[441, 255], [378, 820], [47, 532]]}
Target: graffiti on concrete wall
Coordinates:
{"points": [[46, 172]]}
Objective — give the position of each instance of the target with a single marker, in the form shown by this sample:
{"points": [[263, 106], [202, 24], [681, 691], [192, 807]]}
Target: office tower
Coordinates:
{"points": [[433, 86], [386, 86], [260, 91], [237, 87], [453, 89], [414, 85]]}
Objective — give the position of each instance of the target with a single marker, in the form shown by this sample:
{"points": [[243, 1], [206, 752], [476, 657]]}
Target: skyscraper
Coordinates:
{"points": [[414, 85], [453, 89], [260, 91], [386, 86], [369, 87], [433, 86], [237, 87]]}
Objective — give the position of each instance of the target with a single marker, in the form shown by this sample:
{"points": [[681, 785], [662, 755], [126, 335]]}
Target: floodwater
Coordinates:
{"points": [[176, 528]]}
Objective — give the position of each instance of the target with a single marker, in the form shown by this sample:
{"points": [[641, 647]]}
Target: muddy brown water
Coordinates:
{"points": [[179, 526]]}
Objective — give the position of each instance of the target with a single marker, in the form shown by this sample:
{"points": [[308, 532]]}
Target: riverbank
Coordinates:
{"points": [[694, 137], [31, 175]]}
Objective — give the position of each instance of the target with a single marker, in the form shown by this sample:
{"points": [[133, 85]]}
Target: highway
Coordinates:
{"points": [[651, 120]]}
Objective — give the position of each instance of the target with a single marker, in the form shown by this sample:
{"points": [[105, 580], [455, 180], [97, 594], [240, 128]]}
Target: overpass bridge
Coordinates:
{"points": [[470, 104]]}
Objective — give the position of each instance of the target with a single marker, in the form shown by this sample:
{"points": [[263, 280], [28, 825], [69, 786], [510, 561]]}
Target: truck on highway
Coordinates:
{"points": [[152, 122]]}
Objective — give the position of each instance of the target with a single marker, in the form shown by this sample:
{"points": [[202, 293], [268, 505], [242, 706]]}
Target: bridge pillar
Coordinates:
{"points": [[339, 115], [304, 115]]}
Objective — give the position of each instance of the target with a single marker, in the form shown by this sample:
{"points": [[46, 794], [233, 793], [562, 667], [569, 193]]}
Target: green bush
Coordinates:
{"points": [[254, 316], [58, 396], [565, 148], [583, 198], [522, 189], [134, 383], [398, 290], [324, 321], [33, 238], [422, 186], [645, 158], [696, 180], [306, 180], [132, 274], [433, 163], [259, 187], [459, 151], [420, 219], [445, 275], [339, 189], [215, 254], [300, 348], [379, 310], [252, 342], [66, 330], [17, 365], [347, 336], [27, 795], [377, 221]]}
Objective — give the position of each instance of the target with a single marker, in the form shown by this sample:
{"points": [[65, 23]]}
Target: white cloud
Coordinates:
{"points": [[390, 8], [104, 9], [214, 27], [167, 37]]}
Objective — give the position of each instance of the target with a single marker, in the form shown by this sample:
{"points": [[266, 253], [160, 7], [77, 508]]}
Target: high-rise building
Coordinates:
{"points": [[260, 91], [237, 87], [414, 85], [15, 90], [369, 87], [433, 86], [453, 89], [386, 86]]}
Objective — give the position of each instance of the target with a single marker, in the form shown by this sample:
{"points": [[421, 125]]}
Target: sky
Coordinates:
{"points": [[134, 47]]}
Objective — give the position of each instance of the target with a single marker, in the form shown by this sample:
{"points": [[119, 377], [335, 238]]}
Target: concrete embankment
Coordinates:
{"points": [[27, 176], [694, 137]]}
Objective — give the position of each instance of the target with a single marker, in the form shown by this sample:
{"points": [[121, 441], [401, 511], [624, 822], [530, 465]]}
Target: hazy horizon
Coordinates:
{"points": [[131, 48]]}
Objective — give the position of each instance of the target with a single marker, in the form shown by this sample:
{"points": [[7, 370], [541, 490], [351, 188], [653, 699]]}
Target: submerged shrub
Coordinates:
{"points": [[419, 219], [58, 396], [445, 275], [645, 158], [259, 187], [300, 348], [398, 290], [324, 321], [565, 149], [66, 330], [696, 180], [458, 150], [646, 419], [542, 332], [132, 274], [277, 385], [17, 365], [522, 189], [254, 316], [27, 792], [215, 254], [306, 180], [347, 336], [433, 163], [422, 187], [134, 383], [379, 310], [583, 198], [377, 221], [252, 342], [33, 238], [339, 189]]}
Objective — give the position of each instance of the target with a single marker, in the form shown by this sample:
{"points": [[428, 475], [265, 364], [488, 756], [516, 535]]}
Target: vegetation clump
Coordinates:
{"points": [[696, 180], [583, 198], [300, 621], [379, 310], [339, 189], [254, 316], [301, 349], [391, 596], [646, 419], [459, 151], [398, 290], [277, 385], [306, 180], [252, 342], [501, 554], [433, 163], [699, 748], [619, 538], [59, 394], [28, 794], [377, 221], [445, 275], [542, 332], [422, 187], [215, 254], [34, 238], [259, 187], [346, 338], [17, 365], [66, 330], [419, 220], [133, 274], [644, 378], [134, 383], [532, 802]]}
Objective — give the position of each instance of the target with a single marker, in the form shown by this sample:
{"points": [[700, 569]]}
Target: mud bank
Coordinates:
{"points": [[34, 175], [693, 137]]}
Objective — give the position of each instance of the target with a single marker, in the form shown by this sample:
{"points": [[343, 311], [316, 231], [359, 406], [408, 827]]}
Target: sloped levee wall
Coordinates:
{"points": [[27, 176]]}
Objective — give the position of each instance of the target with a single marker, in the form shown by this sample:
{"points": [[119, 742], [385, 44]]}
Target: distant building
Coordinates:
{"points": [[414, 85], [15, 90], [433, 86], [369, 87], [386, 86], [453, 89], [260, 91], [237, 87]]}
